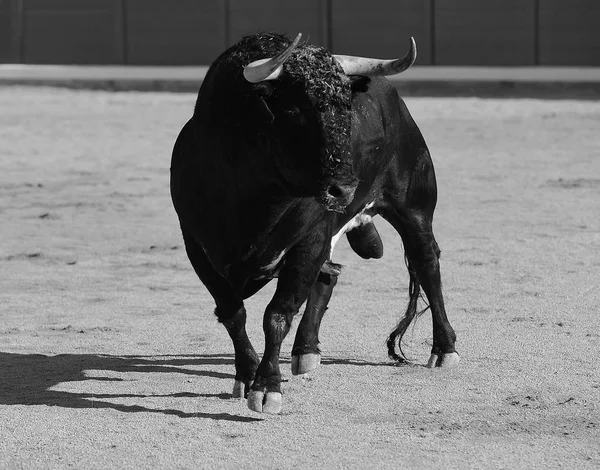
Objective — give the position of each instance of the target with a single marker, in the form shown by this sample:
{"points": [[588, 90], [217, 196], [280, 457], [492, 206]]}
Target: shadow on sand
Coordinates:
{"points": [[27, 379]]}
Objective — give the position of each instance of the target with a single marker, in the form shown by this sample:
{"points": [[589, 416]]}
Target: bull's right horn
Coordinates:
{"points": [[271, 68], [371, 67]]}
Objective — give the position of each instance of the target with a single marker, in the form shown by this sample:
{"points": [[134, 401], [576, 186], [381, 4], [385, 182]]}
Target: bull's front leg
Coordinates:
{"points": [[299, 272]]}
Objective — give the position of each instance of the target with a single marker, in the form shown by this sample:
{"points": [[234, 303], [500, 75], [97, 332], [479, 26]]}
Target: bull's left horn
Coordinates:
{"points": [[371, 67], [271, 68]]}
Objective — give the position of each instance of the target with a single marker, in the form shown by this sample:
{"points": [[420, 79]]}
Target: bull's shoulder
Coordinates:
{"points": [[374, 102], [392, 111], [373, 88]]}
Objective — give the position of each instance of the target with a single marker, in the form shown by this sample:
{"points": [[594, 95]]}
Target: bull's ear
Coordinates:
{"points": [[359, 83], [263, 89]]}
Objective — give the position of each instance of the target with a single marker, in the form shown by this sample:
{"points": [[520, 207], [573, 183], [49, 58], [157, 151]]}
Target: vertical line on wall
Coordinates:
{"points": [[122, 28], [328, 25], [18, 32], [536, 32], [227, 23], [432, 30], [323, 24]]}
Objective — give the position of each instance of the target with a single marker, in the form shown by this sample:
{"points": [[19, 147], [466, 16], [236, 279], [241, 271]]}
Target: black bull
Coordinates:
{"points": [[271, 171]]}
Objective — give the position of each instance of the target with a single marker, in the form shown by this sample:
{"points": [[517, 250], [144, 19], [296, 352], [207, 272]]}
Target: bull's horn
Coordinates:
{"points": [[365, 66], [271, 68]]}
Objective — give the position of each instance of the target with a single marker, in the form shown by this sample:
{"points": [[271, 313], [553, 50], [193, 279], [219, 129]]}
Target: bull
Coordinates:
{"points": [[290, 147]]}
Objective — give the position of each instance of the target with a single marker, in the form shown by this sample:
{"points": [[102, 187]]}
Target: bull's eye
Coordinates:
{"points": [[295, 116], [293, 112]]}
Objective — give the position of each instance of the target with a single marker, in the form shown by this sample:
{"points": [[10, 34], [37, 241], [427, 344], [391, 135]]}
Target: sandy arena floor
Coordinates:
{"points": [[110, 356]]}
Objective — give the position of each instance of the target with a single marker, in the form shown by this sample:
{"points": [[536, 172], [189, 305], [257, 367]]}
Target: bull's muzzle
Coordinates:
{"points": [[337, 196]]}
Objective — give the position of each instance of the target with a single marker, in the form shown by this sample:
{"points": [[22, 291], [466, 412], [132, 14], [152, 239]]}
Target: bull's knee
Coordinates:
{"points": [[232, 317]]}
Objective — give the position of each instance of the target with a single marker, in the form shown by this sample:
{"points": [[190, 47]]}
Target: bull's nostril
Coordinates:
{"points": [[335, 191]]}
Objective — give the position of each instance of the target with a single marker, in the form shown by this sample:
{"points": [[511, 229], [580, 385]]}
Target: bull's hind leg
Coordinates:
{"points": [[230, 311], [411, 214], [422, 254], [306, 355]]}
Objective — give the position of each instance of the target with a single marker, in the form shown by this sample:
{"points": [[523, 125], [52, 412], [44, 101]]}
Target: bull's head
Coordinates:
{"points": [[306, 93]]}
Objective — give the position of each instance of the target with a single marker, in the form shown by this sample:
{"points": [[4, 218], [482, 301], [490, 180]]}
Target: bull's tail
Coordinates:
{"points": [[414, 292]]}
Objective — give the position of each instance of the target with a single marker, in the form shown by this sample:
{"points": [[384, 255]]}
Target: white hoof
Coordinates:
{"points": [[432, 361], [271, 403], [305, 363], [446, 361], [238, 389]]}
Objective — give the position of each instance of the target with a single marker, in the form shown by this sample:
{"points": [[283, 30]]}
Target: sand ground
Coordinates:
{"points": [[110, 356]]}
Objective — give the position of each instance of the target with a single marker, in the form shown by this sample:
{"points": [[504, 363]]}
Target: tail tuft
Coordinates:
{"points": [[414, 292]]}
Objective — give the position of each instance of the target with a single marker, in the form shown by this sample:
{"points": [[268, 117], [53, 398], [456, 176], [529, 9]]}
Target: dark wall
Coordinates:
{"points": [[308, 17], [71, 31], [381, 28], [195, 32], [8, 34], [174, 32], [490, 32], [569, 32]]}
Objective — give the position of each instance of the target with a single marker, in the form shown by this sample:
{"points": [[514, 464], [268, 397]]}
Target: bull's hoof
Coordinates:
{"points": [[239, 389], [264, 403], [447, 361], [305, 363]]}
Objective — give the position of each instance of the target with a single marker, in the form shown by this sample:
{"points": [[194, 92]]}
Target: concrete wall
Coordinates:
{"points": [[194, 32]]}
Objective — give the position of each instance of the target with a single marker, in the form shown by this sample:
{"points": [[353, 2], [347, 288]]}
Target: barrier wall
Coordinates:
{"points": [[195, 32]]}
